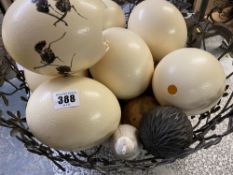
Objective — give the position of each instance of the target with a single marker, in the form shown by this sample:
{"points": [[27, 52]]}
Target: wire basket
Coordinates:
{"points": [[100, 158]]}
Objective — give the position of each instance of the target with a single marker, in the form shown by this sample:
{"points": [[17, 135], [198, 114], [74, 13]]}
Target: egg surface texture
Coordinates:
{"points": [[34, 79], [190, 79], [127, 67], [92, 117], [113, 15], [160, 24], [46, 36]]}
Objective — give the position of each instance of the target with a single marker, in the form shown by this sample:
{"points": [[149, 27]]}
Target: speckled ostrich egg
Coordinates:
{"points": [[54, 37]]}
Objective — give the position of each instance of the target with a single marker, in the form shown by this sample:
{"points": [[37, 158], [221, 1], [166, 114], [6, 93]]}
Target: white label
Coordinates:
{"points": [[66, 99]]}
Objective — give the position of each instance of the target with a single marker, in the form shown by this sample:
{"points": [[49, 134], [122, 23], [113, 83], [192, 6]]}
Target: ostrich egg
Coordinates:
{"points": [[190, 79], [72, 113], [161, 25], [34, 79], [127, 67], [49, 37], [113, 15]]}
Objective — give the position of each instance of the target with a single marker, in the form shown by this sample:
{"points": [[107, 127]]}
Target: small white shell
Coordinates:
{"points": [[125, 143]]}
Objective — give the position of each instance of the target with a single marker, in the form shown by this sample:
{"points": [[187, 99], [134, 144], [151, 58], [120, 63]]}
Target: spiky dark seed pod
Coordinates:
{"points": [[165, 132]]}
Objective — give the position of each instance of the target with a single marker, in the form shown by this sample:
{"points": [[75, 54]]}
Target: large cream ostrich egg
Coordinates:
{"points": [[72, 113], [161, 25], [190, 79], [49, 36]]}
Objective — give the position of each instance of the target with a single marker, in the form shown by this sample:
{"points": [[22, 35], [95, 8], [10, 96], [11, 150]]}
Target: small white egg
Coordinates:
{"points": [[72, 113], [161, 25], [125, 143], [113, 15], [127, 67], [190, 79], [40, 36]]}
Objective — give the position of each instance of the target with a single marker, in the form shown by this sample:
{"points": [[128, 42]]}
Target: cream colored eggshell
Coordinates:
{"points": [[196, 79], [83, 73], [127, 67], [81, 39], [125, 143], [113, 15], [161, 25], [75, 128], [34, 79]]}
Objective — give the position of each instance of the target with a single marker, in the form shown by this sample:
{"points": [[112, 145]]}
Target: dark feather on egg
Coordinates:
{"points": [[165, 132]]}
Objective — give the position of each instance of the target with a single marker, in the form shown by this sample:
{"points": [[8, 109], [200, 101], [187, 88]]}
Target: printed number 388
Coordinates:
{"points": [[66, 99]]}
